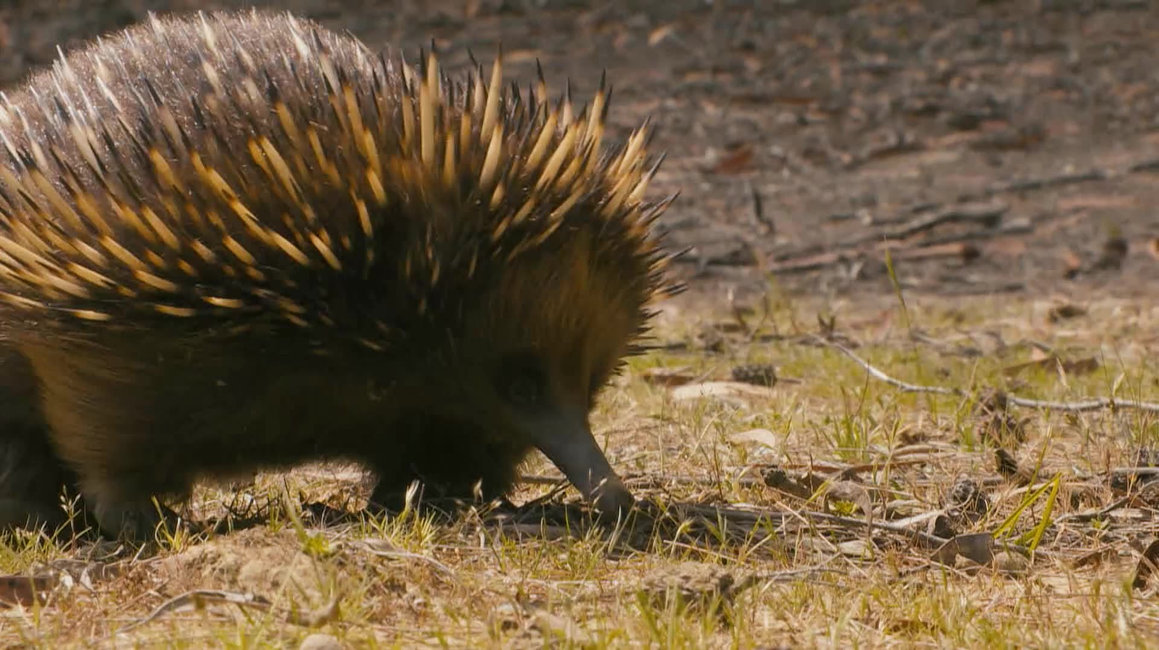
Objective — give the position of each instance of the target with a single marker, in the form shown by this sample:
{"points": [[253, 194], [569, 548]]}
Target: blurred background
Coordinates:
{"points": [[991, 147]]}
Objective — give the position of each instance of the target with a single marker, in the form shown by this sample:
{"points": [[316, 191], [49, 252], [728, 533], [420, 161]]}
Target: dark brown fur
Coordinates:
{"points": [[439, 331], [32, 478]]}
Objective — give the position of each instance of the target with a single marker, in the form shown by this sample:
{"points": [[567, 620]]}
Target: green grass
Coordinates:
{"points": [[420, 580]]}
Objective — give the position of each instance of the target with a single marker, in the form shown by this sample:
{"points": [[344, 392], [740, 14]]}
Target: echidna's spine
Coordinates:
{"points": [[168, 202]]}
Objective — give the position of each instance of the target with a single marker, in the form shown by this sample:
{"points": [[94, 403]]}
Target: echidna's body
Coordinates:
{"points": [[229, 242]]}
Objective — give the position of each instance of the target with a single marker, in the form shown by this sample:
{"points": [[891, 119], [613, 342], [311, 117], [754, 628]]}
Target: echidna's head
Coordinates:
{"points": [[541, 341], [535, 261], [526, 323]]}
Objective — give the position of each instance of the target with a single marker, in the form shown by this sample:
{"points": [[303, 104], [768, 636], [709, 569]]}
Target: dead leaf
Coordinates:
{"points": [[1006, 465], [1096, 202], [759, 436], [1064, 311], [933, 522], [976, 547], [967, 499], [757, 374], [850, 492], [1002, 427], [656, 36], [735, 161], [778, 479], [1011, 562], [1113, 253], [1079, 366], [559, 628], [1072, 264], [519, 56], [857, 548]]}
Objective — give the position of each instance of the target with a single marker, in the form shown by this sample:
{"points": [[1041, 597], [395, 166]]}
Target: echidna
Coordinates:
{"points": [[236, 241]]}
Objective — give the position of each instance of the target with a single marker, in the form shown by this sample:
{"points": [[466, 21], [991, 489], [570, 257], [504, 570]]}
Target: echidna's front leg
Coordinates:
{"points": [[32, 478], [122, 506], [449, 459], [128, 517], [92, 403]]}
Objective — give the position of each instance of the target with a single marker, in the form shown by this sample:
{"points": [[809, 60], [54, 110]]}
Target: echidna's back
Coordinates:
{"points": [[196, 163]]}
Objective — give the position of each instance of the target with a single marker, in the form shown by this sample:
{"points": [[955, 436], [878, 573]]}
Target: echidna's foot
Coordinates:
{"points": [[612, 498], [430, 473], [133, 521], [387, 498], [393, 496]]}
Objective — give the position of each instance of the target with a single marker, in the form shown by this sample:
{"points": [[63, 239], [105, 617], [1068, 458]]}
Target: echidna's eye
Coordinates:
{"points": [[524, 390], [522, 381]]}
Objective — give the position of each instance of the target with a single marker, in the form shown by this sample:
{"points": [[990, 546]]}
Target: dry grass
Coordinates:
{"points": [[804, 568]]}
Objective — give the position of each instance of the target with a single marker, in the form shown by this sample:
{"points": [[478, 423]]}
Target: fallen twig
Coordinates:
{"points": [[199, 598], [787, 575], [1025, 184], [987, 214], [882, 376], [383, 548], [1091, 515], [1078, 406]]}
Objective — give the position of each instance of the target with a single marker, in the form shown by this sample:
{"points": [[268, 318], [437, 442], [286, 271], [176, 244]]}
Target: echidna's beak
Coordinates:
{"points": [[570, 445]]}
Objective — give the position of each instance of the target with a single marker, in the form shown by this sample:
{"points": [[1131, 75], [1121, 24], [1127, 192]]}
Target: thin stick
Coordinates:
{"points": [[892, 381], [1079, 406], [198, 598]]}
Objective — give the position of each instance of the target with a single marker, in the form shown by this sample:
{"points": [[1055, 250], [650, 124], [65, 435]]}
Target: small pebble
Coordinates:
{"points": [[1011, 563], [320, 642]]}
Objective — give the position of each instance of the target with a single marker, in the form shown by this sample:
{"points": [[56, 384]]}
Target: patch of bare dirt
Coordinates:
{"points": [[253, 561], [991, 146]]}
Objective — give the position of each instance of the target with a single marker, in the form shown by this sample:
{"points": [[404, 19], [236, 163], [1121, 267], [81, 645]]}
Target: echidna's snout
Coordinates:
{"points": [[568, 442]]}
